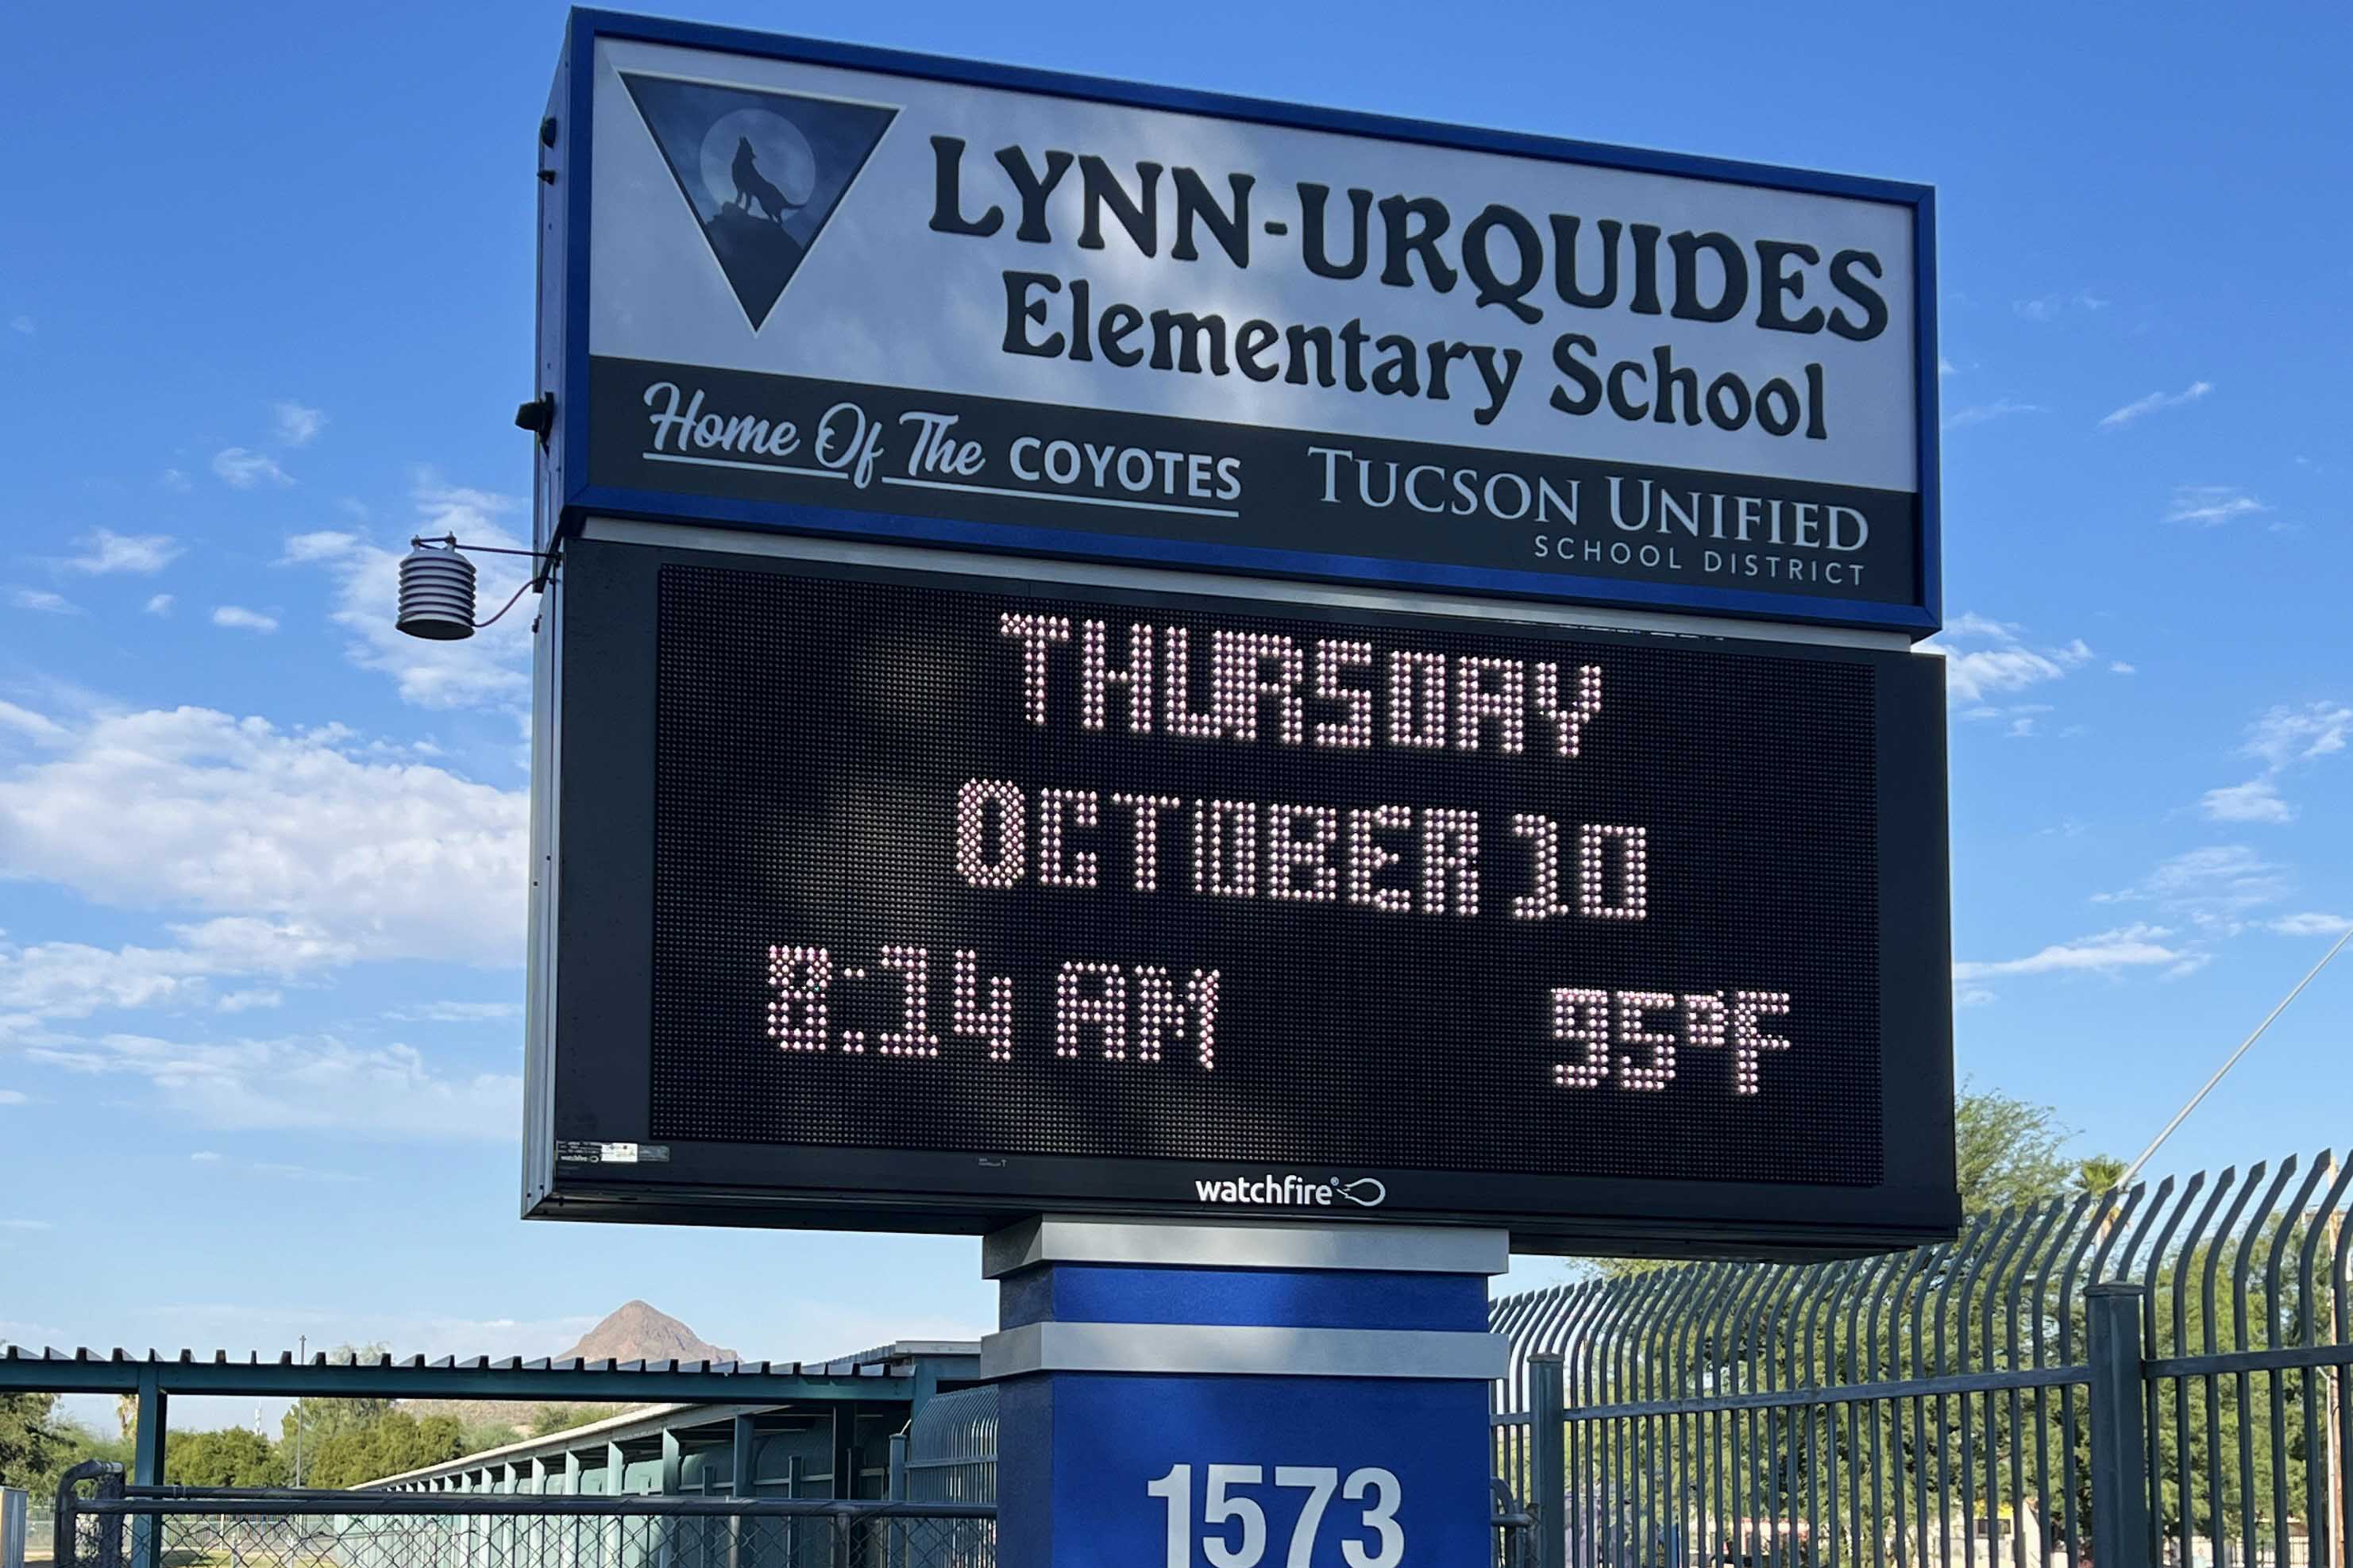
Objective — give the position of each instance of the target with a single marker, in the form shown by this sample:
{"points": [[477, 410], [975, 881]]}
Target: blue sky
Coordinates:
{"points": [[265, 310]]}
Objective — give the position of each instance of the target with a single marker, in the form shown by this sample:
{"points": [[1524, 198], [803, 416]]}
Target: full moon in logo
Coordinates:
{"points": [[781, 151]]}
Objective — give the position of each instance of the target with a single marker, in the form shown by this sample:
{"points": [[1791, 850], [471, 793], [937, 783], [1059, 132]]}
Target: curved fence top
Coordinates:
{"points": [[2242, 1259]]}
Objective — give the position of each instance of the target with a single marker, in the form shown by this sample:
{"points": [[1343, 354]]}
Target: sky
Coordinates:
{"points": [[266, 283]]}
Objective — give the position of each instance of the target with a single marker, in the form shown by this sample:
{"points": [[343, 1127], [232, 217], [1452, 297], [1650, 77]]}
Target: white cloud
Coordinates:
{"points": [[2281, 738], [26, 1225], [327, 544], [39, 726], [242, 469], [311, 850], [2013, 711], [13, 1097], [456, 1011], [2310, 924], [2137, 946], [213, 1159], [2117, 418], [72, 980], [22, 324], [2121, 667], [1945, 367], [1983, 656], [2051, 307], [242, 619], [301, 1082], [160, 605], [42, 601], [2285, 735], [2214, 887], [489, 669], [2257, 800], [2210, 506], [296, 424], [245, 1001], [173, 481], [104, 551], [1986, 413], [272, 1324]]}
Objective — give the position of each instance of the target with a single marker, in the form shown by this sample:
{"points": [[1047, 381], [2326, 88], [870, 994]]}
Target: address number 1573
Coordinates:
{"points": [[1234, 1524]]}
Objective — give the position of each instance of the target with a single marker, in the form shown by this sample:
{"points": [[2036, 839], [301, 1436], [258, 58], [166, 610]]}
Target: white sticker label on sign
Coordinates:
{"points": [[617, 1153]]}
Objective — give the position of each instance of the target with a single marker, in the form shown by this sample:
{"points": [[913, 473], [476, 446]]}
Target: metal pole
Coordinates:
{"points": [[741, 1485], [1547, 1497], [673, 1466], [2332, 1488], [2332, 1453], [147, 1467], [2119, 1445], [898, 1532]]}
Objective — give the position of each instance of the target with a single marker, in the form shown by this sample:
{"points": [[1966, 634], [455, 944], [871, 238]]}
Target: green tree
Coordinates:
{"points": [[481, 1434], [394, 1443], [29, 1440], [308, 1424], [2006, 1154], [232, 1456], [2098, 1174], [549, 1418], [74, 1444], [2006, 1150]]}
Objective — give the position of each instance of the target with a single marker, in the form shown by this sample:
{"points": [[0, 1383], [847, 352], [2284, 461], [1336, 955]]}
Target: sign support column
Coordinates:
{"points": [[1239, 1394]]}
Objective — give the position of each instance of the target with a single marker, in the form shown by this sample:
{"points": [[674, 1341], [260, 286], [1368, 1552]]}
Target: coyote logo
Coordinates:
{"points": [[762, 172], [752, 186]]}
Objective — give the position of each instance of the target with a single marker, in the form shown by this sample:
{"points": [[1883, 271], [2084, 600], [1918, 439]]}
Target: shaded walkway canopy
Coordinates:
{"points": [[891, 1380]]}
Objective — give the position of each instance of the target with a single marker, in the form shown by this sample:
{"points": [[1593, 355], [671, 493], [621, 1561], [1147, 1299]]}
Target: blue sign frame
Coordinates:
{"points": [[566, 498]]}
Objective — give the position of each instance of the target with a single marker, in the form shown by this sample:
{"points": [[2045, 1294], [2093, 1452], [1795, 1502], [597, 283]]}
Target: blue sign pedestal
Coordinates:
{"points": [[1227, 1395]]}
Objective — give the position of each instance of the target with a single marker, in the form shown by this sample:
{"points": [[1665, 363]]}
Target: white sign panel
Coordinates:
{"points": [[831, 289]]}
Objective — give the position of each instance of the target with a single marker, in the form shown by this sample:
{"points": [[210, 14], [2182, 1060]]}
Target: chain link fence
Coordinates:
{"points": [[103, 1524]]}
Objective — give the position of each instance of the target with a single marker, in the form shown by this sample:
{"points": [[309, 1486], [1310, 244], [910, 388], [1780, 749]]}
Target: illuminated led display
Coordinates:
{"points": [[1022, 874]]}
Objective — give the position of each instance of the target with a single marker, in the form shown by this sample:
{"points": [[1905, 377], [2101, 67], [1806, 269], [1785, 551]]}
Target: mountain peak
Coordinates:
{"points": [[636, 1330]]}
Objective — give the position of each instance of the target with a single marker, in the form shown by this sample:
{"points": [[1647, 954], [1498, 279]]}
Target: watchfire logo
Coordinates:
{"points": [[1293, 1192]]}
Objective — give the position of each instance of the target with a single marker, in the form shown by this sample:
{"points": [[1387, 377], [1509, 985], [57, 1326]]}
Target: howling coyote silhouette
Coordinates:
{"points": [[752, 186]]}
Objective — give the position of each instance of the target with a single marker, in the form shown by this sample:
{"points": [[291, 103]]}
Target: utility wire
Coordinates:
{"points": [[2125, 1182]]}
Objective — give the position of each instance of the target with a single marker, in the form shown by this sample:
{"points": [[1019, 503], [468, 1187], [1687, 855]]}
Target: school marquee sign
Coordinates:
{"points": [[1462, 835]]}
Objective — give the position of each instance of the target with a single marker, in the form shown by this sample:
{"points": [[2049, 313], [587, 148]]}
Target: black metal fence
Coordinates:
{"points": [[2159, 1377], [101, 1523], [2164, 1376], [950, 1452]]}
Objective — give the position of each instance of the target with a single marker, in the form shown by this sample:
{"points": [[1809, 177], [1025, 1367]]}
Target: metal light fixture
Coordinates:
{"points": [[437, 588]]}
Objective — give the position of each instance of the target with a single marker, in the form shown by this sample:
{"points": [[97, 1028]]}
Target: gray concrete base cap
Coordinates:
{"points": [[1246, 1243]]}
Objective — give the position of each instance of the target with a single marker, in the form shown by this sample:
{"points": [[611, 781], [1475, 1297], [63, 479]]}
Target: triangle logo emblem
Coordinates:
{"points": [[760, 170]]}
